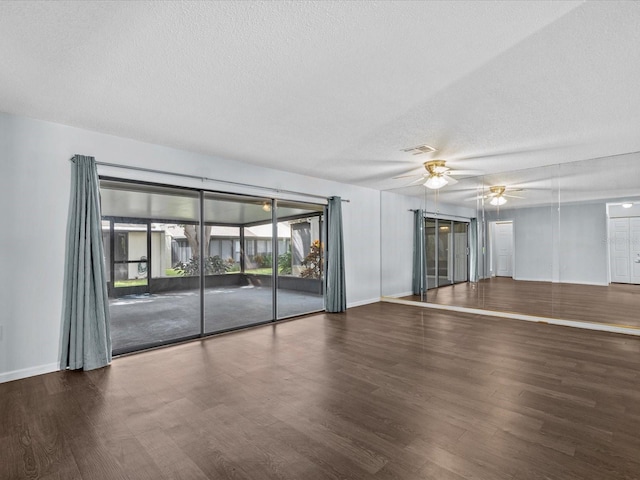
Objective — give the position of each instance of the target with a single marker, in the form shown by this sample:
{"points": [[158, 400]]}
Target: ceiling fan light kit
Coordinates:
{"points": [[436, 178], [497, 201], [435, 182], [497, 192]]}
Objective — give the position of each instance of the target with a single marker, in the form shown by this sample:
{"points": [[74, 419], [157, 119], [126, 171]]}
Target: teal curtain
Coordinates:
{"points": [[336, 294], [419, 254], [86, 340], [473, 250]]}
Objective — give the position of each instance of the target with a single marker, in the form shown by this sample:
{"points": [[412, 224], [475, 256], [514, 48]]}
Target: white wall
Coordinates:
{"points": [[569, 248], [583, 244], [34, 197], [533, 245], [396, 242]]}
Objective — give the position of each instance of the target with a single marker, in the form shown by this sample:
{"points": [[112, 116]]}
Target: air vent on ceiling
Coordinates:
{"points": [[419, 150]]}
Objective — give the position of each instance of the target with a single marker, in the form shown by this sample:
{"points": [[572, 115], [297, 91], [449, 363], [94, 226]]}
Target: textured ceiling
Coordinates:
{"points": [[335, 89]]}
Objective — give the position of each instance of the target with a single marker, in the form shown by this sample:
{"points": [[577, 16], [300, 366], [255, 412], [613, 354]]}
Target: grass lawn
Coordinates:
{"points": [[259, 271], [170, 272], [135, 282]]}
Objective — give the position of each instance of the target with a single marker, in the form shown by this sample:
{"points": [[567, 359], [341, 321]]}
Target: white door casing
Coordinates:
{"points": [[503, 242], [620, 251], [634, 249]]}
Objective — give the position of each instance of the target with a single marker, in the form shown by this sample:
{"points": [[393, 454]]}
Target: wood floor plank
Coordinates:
{"points": [[170, 460], [612, 304], [380, 392]]}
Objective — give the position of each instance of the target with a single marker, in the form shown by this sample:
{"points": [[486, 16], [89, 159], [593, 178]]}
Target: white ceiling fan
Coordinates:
{"points": [[437, 176], [498, 195]]}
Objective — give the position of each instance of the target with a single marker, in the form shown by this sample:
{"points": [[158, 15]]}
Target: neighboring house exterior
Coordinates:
{"points": [[169, 246]]}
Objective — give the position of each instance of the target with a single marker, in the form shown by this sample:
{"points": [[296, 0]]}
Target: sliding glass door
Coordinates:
{"points": [[446, 243], [183, 263]]}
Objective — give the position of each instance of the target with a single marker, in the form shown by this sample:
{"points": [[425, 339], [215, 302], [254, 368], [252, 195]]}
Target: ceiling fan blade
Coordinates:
{"points": [[511, 196], [485, 197], [415, 182], [400, 187], [510, 152], [468, 173], [410, 175], [450, 180]]}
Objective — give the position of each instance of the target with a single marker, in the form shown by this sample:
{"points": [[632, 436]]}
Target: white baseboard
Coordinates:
{"points": [[363, 302], [595, 284], [401, 294], [525, 279], [601, 327], [29, 372]]}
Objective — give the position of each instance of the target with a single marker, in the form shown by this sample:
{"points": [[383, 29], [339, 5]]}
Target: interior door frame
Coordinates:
{"points": [[492, 248]]}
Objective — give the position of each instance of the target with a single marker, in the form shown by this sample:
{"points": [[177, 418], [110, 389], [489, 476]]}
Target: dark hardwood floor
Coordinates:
{"points": [[617, 304], [382, 392]]}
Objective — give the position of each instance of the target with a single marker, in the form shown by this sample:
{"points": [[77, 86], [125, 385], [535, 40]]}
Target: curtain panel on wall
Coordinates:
{"points": [[336, 295], [419, 254], [86, 340]]}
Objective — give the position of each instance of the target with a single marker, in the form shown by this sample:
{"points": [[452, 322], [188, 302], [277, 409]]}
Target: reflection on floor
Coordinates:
{"points": [[617, 304], [146, 319]]}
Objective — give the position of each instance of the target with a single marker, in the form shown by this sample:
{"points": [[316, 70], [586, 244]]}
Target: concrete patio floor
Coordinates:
{"points": [[138, 320]]}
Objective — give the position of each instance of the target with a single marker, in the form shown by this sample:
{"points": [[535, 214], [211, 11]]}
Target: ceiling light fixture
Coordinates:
{"points": [[627, 205], [435, 182], [498, 200], [266, 206]]}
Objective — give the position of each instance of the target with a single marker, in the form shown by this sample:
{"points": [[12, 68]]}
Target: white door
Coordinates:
{"points": [[619, 248], [504, 248], [634, 249]]}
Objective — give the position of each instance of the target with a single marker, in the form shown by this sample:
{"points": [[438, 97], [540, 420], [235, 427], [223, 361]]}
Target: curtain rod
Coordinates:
{"points": [[443, 214], [197, 177]]}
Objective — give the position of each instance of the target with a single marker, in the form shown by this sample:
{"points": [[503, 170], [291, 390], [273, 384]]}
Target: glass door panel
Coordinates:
{"points": [[154, 294], [431, 252], [300, 258], [444, 252], [460, 252], [238, 288]]}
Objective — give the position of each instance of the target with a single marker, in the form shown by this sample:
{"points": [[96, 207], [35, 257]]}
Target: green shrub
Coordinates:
{"points": [[284, 263], [212, 266], [313, 262], [262, 260]]}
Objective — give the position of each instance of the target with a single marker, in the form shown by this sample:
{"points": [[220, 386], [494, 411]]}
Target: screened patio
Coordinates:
{"points": [[262, 260]]}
